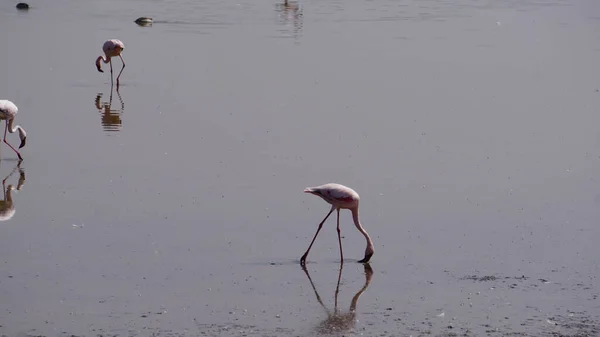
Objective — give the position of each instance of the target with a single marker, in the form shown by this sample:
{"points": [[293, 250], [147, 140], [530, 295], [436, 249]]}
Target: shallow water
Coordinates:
{"points": [[175, 206]]}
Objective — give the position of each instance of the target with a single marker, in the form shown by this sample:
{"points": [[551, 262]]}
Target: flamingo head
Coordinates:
{"points": [[98, 64], [23, 136], [368, 254], [314, 191], [310, 190]]}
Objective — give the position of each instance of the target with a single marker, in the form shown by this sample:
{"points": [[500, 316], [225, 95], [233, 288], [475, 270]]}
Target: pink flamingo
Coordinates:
{"points": [[8, 112], [111, 48], [340, 197]]}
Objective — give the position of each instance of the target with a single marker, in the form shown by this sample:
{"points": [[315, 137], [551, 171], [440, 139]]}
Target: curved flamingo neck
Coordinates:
{"points": [[360, 228], [354, 301], [103, 59], [15, 128], [8, 195]]}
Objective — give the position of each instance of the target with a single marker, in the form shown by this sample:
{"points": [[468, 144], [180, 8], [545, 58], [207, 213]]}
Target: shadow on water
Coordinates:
{"points": [[110, 118], [7, 207], [339, 321], [290, 16]]}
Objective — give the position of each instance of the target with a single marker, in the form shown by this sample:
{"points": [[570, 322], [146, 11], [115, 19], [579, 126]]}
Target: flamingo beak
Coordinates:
{"points": [[99, 69], [23, 141], [309, 190], [366, 259]]}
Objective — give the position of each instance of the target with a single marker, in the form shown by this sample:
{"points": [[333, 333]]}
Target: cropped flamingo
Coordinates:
{"points": [[8, 112], [340, 197], [111, 48]]}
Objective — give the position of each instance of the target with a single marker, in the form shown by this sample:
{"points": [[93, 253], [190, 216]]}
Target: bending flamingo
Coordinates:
{"points": [[111, 48], [340, 197], [8, 112]]}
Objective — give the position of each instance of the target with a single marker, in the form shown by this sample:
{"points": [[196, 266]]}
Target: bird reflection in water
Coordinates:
{"points": [[290, 14], [336, 321], [110, 118], [7, 208]]}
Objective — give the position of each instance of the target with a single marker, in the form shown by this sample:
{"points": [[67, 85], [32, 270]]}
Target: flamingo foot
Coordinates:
{"points": [[303, 260]]}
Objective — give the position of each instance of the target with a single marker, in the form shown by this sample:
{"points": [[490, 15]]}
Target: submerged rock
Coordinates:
{"points": [[22, 5]]}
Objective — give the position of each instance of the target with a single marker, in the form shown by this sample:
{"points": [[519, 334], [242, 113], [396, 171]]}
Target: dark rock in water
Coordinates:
{"points": [[22, 5], [144, 21]]}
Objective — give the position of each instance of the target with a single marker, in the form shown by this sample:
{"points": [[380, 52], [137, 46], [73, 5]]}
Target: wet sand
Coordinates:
{"points": [[175, 207]]}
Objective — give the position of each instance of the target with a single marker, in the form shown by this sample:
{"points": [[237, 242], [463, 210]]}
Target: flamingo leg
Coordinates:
{"points": [[21, 174], [121, 70], [337, 287], [303, 258], [111, 72], [312, 285], [340, 236], [21, 181], [6, 141]]}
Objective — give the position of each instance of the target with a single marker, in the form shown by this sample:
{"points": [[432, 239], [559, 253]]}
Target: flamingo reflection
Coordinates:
{"points": [[290, 14], [336, 321], [7, 207], [110, 118]]}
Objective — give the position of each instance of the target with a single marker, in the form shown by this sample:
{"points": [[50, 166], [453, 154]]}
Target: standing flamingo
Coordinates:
{"points": [[340, 197], [111, 48], [8, 112]]}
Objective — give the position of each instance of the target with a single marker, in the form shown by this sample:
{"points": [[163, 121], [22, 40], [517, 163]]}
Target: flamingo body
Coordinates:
{"points": [[8, 112], [111, 48], [340, 197], [8, 109], [336, 195], [7, 210]]}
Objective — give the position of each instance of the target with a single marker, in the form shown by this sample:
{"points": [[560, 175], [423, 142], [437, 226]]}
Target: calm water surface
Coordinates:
{"points": [[175, 207]]}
